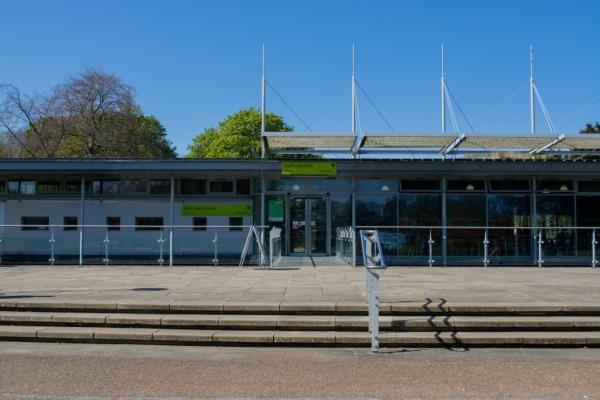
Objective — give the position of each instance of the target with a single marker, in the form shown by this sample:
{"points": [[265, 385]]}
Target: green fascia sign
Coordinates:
{"points": [[216, 210], [308, 168]]}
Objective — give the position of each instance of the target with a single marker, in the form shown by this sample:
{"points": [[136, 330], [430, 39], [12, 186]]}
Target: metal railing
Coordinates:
{"points": [[344, 244], [488, 245], [275, 246], [90, 244]]}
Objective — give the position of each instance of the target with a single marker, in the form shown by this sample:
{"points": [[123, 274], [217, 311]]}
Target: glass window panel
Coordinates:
{"points": [[148, 223], [376, 210], [465, 210], [419, 184], [193, 186], [287, 185], [221, 186], [134, 186], [27, 187], [199, 223], [72, 187], [555, 186], [330, 185], [160, 186], [376, 185], [556, 213], [588, 186], [509, 211], [509, 185], [235, 223], [114, 223], [341, 213], [242, 186], [2, 186], [466, 184], [71, 223], [419, 209], [588, 214], [36, 223], [48, 187], [13, 187], [111, 187]]}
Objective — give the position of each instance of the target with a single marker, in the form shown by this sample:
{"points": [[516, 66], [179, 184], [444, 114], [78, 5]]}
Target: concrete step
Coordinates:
{"points": [[302, 322], [303, 308], [290, 338]]}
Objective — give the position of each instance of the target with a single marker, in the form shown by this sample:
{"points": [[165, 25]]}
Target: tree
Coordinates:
{"points": [[591, 128], [237, 136], [92, 114]]}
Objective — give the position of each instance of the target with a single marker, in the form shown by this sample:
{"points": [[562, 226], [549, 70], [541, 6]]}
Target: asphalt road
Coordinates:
{"points": [[58, 371]]}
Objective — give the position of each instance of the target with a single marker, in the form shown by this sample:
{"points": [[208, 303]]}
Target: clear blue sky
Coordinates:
{"points": [[194, 62]]}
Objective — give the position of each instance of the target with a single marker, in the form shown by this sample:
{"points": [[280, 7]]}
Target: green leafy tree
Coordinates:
{"points": [[591, 128], [237, 136], [92, 114]]}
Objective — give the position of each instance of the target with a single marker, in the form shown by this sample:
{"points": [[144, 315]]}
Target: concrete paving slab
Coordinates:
{"points": [[135, 319], [124, 334], [26, 316], [210, 320], [248, 321], [307, 306], [195, 306], [305, 337], [79, 318], [183, 335], [66, 333], [12, 331], [240, 306], [244, 336], [306, 322]]}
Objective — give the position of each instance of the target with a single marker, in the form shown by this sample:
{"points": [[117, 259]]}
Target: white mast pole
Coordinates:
{"points": [[531, 92], [443, 94], [353, 91], [263, 104]]}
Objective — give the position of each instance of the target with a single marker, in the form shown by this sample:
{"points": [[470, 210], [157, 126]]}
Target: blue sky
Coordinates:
{"points": [[194, 62]]}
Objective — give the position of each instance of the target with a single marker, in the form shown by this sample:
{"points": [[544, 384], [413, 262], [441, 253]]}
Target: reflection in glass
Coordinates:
{"points": [[465, 210], [341, 213], [510, 211], [557, 212], [588, 214], [418, 210]]}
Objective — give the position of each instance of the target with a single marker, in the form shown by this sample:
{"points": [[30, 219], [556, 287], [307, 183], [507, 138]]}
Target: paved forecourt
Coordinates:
{"points": [[304, 284]]}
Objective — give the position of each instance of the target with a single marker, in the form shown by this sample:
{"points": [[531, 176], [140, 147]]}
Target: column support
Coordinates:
{"points": [[172, 219], [81, 219]]}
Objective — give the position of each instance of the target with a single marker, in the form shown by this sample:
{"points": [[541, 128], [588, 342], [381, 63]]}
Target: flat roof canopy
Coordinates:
{"points": [[431, 145]]}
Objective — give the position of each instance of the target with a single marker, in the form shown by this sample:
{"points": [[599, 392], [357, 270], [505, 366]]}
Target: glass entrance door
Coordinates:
{"points": [[308, 226]]}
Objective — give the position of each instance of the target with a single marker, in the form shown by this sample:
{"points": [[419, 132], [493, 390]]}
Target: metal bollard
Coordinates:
{"points": [[486, 243], [594, 243], [161, 242], [106, 241], [431, 242], [540, 250], [215, 241], [51, 241]]}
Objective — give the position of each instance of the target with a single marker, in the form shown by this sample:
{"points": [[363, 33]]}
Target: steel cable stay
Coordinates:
{"points": [[503, 102], [289, 107], [544, 110], [421, 98], [581, 108], [326, 105], [375, 107], [459, 109]]}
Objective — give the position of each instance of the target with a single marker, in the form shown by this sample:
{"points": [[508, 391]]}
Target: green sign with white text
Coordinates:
{"points": [[308, 168], [216, 210]]}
